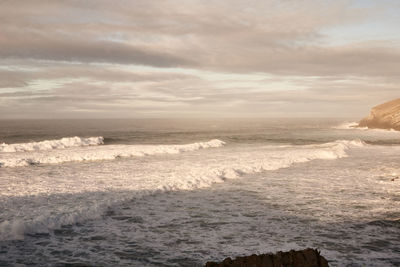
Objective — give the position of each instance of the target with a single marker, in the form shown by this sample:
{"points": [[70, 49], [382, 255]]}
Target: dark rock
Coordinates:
{"points": [[384, 116], [302, 258]]}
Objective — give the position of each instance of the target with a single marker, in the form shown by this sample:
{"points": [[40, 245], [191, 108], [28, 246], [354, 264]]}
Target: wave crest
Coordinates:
{"points": [[108, 152], [52, 144], [88, 195], [348, 126]]}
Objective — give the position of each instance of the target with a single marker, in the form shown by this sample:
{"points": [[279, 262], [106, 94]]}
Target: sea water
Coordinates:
{"points": [[181, 193]]}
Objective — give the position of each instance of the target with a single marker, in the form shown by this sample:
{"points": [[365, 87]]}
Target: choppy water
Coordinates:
{"points": [[166, 193]]}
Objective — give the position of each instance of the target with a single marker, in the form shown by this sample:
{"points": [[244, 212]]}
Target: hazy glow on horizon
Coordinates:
{"points": [[175, 58]]}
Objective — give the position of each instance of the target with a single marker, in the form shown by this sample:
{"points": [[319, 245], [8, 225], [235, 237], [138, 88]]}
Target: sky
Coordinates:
{"points": [[197, 58]]}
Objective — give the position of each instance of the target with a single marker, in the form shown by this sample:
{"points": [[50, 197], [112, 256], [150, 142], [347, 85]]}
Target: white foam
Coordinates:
{"points": [[52, 144], [283, 158], [48, 200], [354, 126], [383, 130], [96, 153], [349, 126]]}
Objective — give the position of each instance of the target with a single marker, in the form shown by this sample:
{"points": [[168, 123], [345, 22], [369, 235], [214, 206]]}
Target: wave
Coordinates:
{"points": [[284, 158], [52, 144], [108, 152], [349, 126], [354, 126], [90, 194]]}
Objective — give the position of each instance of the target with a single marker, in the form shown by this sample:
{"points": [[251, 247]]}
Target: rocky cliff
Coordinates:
{"points": [[302, 258], [384, 116]]}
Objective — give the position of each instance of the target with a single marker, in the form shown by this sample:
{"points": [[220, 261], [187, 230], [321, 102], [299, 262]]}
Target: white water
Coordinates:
{"points": [[151, 205], [348, 126], [354, 126], [135, 178], [81, 153], [52, 144]]}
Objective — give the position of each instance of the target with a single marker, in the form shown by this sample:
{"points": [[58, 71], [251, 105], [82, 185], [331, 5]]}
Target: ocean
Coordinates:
{"points": [[184, 192]]}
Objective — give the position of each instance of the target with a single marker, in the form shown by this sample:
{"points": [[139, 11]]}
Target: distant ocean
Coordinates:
{"points": [[181, 192]]}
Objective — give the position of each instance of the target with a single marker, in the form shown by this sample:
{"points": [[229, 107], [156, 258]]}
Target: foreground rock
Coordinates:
{"points": [[302, 258], [384, 116]]}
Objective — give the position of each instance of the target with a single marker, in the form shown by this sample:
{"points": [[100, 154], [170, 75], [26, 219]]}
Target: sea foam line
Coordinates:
{"points": [[108, 152], [52, 144]]}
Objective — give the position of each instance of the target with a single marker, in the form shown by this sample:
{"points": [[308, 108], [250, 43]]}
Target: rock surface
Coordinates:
{"points": [[384, 116], [302, 258]]}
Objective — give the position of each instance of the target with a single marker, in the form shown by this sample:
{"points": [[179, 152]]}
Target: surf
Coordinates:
{"points": [[62, 143], [45, 206], [43, 153]]}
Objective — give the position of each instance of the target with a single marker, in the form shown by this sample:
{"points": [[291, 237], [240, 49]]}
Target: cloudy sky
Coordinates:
{"points": [[197, 58]]}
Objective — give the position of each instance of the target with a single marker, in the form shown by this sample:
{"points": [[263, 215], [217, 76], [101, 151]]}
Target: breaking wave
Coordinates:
{"points": [[349, 126], [289, 155], [52, 144], [108, 152], [89, 195], [354, 126]]}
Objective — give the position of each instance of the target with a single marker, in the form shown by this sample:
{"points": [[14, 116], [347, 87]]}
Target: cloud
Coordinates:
{"points": [[269, 36], [20, 77], [191, 56], [82, 50]]}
